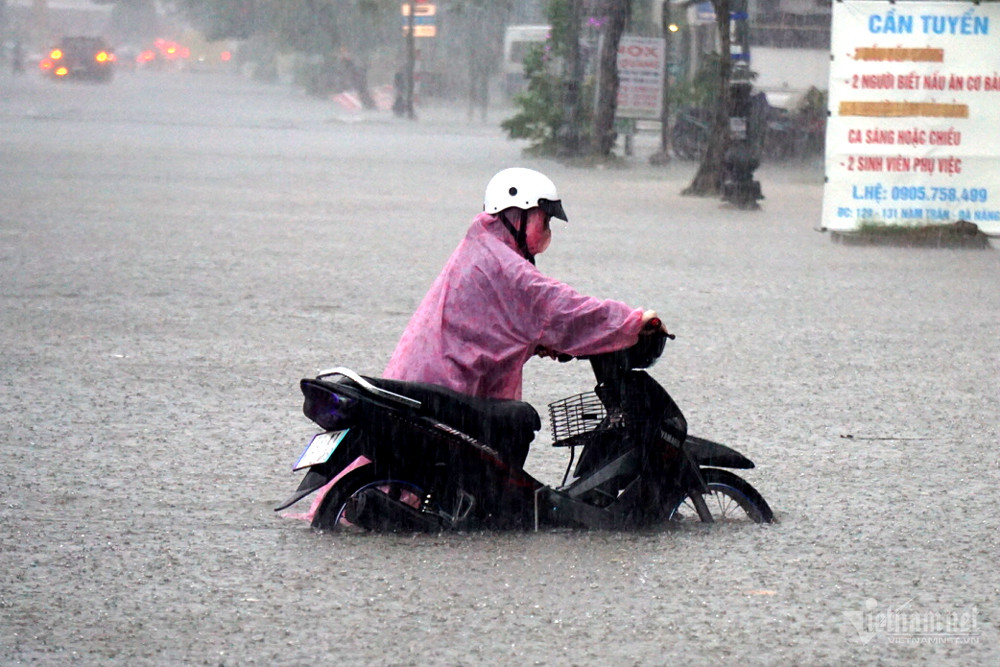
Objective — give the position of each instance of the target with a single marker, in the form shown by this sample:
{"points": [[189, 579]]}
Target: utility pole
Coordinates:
{"points": [[738, 164], [411, 59]]}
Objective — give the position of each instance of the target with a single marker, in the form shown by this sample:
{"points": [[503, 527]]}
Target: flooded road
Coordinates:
{"points": [[177, 251]]}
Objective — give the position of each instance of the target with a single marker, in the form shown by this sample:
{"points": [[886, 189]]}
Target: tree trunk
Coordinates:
{"points": [[663, 156], [607, 100], [708, 180], [569, 133]]}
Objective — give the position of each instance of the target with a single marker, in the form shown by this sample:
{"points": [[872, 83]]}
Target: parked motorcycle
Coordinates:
{"points": [[402, 456], [690, 131], [776, 134]]}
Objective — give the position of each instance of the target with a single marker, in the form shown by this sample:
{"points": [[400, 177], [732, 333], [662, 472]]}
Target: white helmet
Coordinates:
{"points": [[522, 188]]}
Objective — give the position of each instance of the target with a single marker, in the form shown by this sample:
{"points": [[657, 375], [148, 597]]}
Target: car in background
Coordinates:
{"points": [[80, 58]]}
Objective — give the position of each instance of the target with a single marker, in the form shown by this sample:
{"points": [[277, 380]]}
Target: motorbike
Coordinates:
{"points": [[690, 131], [778, 135], [414, 457]]}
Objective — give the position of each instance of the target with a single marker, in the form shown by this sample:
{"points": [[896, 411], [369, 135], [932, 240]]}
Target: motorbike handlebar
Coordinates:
{"points": [[653, 327], [656, 325]]}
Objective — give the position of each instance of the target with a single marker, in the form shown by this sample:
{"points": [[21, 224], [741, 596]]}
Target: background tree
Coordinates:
{"points": [[708, 179], [342, 33], [567, 15], [132, 20], [554, 109], [480, 26], [604, 134], [223, 19], [539, 116]]}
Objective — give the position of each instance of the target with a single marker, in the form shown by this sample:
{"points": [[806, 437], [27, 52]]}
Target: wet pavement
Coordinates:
{"points": [[177, 251]]}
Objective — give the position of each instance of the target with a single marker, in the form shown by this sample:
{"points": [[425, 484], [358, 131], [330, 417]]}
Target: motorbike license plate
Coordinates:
{"points": [[320, 449]]}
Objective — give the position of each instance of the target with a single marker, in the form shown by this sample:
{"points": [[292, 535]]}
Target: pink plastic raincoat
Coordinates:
{"points": [[490, 308]]}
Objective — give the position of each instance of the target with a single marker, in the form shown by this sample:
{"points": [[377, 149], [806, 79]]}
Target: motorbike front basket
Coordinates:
{"points": [[575, 416]]}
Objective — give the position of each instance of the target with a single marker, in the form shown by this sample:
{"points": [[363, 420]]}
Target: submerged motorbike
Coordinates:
{"points": [[402, 456]]}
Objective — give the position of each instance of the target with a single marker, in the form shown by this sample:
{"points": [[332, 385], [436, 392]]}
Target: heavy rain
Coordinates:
{"points": [[181, 244]]}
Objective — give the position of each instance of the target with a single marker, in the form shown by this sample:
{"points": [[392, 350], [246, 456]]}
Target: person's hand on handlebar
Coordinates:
{"points": [[651, 324]]}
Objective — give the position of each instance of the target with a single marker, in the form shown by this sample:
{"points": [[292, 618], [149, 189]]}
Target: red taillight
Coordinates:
{"points": [[45, 64]]}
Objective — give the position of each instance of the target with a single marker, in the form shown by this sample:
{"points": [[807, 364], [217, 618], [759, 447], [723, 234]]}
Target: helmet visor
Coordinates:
{"points": [[553, 208]]}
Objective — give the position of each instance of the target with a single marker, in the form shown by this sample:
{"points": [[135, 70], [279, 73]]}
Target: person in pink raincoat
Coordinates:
{"points": [[490, 310]]}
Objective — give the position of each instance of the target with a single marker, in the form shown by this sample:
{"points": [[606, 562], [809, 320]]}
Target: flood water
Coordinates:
{"points": [[178, 250]]}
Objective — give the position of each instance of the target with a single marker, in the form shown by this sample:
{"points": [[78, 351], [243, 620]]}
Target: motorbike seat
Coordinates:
{"points": [[506, 425]]}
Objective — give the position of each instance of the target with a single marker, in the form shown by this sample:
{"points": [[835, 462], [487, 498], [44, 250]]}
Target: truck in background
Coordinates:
{"points": [[516, 42]]}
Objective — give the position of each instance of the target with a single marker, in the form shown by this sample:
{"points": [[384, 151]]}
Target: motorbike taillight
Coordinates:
{"points": [[330, 409]]}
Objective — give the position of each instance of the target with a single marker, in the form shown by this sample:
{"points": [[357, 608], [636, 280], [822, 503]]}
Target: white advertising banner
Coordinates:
{"points": [[913, 136], [640, 77]]}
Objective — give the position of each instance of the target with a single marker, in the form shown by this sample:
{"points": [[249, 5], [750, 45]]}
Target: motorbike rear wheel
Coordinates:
{"points": [[688, 145], [343, 508], [730, 499]]}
